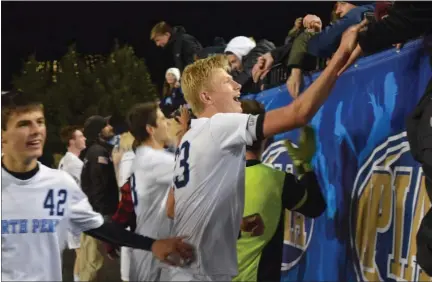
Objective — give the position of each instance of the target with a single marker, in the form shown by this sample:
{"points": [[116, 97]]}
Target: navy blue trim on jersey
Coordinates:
{"points": [[22, 175], [260, 127]]}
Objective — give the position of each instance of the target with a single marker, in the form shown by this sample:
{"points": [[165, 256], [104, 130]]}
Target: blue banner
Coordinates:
{"points": [[374, 189]]}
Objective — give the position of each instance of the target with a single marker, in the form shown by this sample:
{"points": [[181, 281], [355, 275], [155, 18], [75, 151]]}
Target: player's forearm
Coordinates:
{"points": [[302, 109], [115, 234], [170, 204]]}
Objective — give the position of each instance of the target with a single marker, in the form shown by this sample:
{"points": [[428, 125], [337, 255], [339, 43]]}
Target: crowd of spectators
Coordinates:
{"points": [[261, 65]]}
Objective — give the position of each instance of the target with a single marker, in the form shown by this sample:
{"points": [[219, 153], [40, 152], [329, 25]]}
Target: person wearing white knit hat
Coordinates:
{"points": [[236, 49], [172, 96], [172, 74]]}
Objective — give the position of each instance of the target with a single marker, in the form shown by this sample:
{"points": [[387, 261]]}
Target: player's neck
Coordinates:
{"points": [[18, 165], [74, 151], [151, 142], [252, 155], [207, 113]]}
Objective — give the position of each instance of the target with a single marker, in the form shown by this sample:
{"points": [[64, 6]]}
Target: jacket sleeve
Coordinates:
{"points": [[298, 52], [190, 47], [405, 21], [250, 60], [280, 53], [264, 46], [115, 234], [303, 196], [325, 43], [98, 161]]}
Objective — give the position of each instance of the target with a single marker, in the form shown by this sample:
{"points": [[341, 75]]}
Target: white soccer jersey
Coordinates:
{"points": [[209, 190], [72, 165], [150, 183], [36, 214]]}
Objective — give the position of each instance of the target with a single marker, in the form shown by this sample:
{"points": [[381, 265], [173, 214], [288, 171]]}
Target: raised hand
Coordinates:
{"points": [[262, 67], [349, 44]]}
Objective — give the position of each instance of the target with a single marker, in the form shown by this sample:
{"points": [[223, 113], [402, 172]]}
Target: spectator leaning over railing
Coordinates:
{"points": [[405, 21], [325, 43], [184, 46], [243, 53], [322, 44], [299, 60], [172, 96], [278, 54]]}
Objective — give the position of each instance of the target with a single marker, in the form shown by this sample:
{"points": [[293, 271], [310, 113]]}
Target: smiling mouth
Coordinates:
{"points": [[35, 143], [237, 98]]}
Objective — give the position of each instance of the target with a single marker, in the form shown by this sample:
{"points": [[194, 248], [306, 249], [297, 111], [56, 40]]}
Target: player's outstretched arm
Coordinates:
{"points": [[84, 218], [162, 249], [302, 109]]}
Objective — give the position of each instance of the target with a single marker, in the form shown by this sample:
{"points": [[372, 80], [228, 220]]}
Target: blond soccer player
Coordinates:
{"points": [[208, 198]]}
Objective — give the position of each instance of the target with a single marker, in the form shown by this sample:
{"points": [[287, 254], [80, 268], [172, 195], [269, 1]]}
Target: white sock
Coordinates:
{"points": [[76, 277]]}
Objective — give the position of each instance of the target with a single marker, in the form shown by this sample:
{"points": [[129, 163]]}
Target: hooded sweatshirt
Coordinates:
{"points": [[240, 46]]}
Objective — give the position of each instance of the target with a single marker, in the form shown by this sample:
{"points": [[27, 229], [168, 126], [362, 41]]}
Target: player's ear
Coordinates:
{"points": [[149, 129], [206, 98], [3, 137]]}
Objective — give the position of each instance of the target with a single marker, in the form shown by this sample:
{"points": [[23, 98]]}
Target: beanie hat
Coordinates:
{"points": [[240, 46], [175, 72], [311, 18], [93, 127]]}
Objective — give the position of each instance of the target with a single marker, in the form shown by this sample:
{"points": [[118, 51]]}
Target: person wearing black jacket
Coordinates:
{"points": [[405, 21], [98, 178], [184, 46], [99, 183]]}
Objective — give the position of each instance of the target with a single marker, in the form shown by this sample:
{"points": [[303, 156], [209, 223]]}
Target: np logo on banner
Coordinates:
{"points": [[298, 228], [389, 200]]}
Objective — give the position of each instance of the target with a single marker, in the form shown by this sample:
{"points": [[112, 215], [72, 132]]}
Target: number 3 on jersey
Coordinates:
{"points": [[182, 180], [133, 189]]}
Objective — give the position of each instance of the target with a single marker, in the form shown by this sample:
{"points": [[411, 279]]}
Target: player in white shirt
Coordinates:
{"points": [[40, 204], [210, 161], [74, 139], [151, 179]]}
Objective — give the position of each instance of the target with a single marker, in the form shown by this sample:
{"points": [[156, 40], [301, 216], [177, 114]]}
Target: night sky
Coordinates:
{"points": [[48, 28]]}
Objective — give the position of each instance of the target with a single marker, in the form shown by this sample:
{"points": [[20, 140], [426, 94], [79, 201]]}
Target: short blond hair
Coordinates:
{"points": [[196, 78], [160, 28]]}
